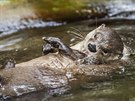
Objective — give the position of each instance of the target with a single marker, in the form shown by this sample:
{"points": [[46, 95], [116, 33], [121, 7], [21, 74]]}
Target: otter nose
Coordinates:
{"points": [[92, 47]]}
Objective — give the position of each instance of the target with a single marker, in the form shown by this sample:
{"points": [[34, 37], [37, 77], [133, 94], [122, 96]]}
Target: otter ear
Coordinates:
{"points": [[44, 38], [102, 26]]}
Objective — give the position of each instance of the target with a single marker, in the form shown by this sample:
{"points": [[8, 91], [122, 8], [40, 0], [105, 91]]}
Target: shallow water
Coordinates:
{"points": [[23, 41]]}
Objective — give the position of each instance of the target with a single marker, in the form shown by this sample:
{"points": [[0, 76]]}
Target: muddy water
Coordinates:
{"points": [[22, 40]]}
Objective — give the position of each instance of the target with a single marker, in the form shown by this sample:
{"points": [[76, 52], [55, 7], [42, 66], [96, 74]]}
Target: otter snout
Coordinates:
{"points": [[92, 47]]}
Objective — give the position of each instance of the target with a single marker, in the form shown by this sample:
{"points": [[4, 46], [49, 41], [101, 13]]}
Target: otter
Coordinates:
{"points": [[98, 45], [77, 64]]}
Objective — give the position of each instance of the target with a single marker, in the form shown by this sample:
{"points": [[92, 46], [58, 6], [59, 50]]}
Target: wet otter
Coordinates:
{"points": [[98, 45], [57, 70]]}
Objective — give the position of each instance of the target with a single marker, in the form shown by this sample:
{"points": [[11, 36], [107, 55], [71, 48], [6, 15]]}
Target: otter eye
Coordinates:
{"points": [[105, 51], [97, 36]]}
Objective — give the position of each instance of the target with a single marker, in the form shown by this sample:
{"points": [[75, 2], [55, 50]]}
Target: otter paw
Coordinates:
{"points": [[9, 63], [51, 45], [47, 48], [54, 44]]}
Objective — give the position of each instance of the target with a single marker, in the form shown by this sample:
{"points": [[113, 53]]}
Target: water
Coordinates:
{"points": [[25, 38], [121, 89]]}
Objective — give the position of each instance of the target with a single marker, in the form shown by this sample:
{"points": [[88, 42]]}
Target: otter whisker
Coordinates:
{"points": [[74, 41], [79, 32], [76, 35]]}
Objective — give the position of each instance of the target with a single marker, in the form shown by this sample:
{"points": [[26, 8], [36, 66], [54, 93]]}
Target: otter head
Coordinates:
{"points": [[103, 43]]}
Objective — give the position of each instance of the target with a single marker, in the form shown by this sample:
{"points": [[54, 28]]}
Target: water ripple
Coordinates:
{"points": [[9, 27]]}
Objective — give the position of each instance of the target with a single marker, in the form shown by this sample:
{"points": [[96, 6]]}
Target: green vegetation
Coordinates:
{"points": [[50, 9]]}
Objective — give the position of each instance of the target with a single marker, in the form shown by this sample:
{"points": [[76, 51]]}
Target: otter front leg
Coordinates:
{"points": [[54, 44]]}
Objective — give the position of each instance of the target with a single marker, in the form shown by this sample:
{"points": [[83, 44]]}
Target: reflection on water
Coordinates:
{"points": [[117, 90], [6, 43], [26, 39], [121, 9], [8, 28]]}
